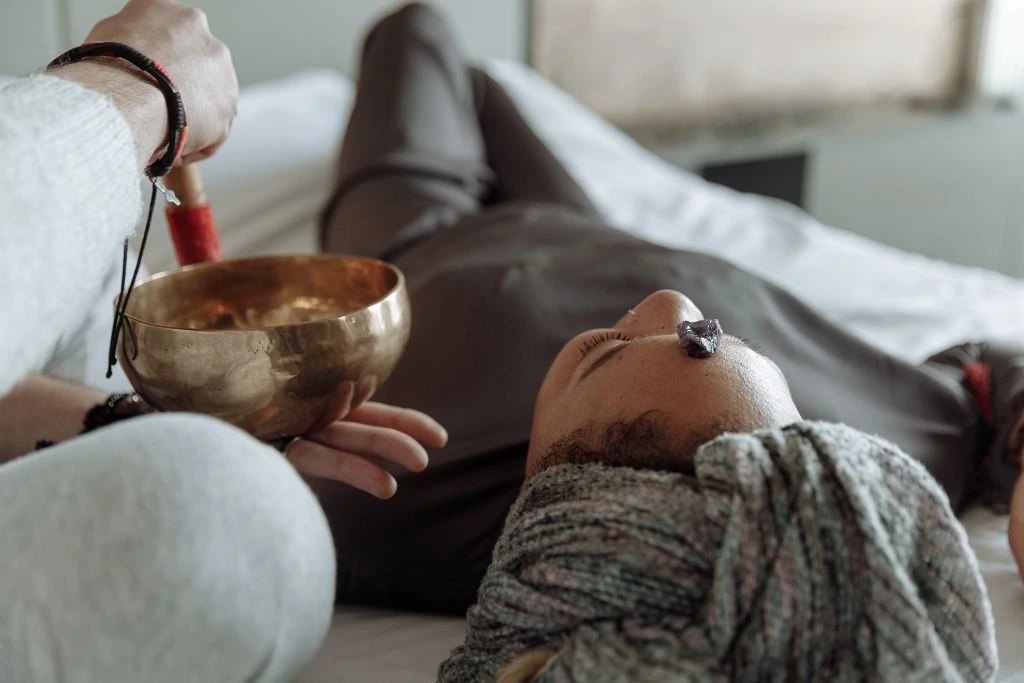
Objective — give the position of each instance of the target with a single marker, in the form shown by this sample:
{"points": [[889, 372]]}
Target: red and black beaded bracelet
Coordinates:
{"points": [[175, 109]]}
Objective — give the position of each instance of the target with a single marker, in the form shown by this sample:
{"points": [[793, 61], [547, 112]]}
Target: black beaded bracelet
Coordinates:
{"points": [[175, 108], [116, 408]]}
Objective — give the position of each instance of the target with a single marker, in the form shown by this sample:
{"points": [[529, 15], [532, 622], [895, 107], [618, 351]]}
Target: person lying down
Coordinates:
{"points": [[674, 490], [506, 260], [680, 514]]}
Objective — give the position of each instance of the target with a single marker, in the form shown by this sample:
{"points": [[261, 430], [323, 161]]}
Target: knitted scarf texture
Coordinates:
{"points": [[808, 553]]}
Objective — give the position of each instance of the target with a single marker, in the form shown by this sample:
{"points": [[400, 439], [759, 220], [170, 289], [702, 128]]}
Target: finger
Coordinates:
{"points": [[201, 155], [419, 426], [316, 460], [204, 153], [381, 442], [343, 403]]}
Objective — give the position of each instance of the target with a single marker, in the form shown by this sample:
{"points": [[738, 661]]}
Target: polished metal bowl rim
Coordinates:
{"points": [[399, 283]]}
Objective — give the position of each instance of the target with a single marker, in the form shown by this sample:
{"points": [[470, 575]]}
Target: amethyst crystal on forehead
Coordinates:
{"points": [[699, 339]]}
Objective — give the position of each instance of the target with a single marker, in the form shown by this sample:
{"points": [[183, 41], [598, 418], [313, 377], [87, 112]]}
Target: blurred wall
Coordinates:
{"points": [[267, 37], [689, 63]]}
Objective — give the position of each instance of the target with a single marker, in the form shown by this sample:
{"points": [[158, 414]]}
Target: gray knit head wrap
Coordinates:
{"points": [[810, 553]]}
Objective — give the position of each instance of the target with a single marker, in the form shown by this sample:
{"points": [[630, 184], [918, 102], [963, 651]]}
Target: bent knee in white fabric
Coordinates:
{"points": [[169, 548]]}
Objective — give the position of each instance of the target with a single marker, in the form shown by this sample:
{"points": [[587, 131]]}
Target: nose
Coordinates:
{"points": [[659, 313]]}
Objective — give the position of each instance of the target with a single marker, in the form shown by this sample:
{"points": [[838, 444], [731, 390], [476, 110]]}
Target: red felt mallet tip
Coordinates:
{"points": [[192, 227]]}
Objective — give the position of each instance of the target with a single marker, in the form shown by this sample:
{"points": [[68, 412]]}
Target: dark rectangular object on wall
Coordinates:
{"points": [[782, 177]]}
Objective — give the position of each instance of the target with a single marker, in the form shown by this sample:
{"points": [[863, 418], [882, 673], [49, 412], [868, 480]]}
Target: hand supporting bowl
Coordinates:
{"points": [[277, 346]]}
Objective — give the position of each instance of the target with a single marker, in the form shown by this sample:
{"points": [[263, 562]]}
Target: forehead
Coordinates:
{"points": [[656, 374], [665, 354]]}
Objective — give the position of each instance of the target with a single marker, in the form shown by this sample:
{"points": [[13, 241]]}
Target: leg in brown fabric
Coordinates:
{"points": [[413, 159], [524, 167]]}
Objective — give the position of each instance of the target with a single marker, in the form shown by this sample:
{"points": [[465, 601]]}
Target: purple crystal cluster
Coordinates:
{"points": [[699, 339]]}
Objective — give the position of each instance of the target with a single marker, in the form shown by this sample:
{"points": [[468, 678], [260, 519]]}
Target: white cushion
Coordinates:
{"points": [[273, 175]]}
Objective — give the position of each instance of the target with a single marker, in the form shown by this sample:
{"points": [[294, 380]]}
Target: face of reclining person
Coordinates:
{"points": [[616, 375]]}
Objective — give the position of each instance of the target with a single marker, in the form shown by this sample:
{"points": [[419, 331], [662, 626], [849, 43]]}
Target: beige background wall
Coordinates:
{"points": [[685, 63], [268, 37]]}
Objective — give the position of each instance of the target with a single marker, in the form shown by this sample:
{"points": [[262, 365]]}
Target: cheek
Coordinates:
{"points": [[548, 387], [548, 395], [560, 371], [552, 388], [540, 436]]}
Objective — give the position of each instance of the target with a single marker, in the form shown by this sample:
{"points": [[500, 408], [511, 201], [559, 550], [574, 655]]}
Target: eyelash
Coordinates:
{"points": [[754, 346], [598, 339]]}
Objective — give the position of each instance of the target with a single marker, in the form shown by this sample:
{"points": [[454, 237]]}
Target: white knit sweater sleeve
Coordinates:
{"points": [[69, 195]]}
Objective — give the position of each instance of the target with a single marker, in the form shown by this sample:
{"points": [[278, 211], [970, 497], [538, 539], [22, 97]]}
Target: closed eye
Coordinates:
{"points": [[596, 340], [756, 348], [613, 350]]}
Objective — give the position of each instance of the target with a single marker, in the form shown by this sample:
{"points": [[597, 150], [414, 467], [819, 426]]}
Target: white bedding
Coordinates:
{"points": [[1005, 588]]}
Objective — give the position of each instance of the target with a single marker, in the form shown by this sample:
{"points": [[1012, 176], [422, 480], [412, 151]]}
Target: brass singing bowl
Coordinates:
{"points": [[277, 346]]}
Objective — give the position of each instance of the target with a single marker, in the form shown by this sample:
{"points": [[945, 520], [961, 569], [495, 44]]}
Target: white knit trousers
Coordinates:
{"points": [[168, 549]]}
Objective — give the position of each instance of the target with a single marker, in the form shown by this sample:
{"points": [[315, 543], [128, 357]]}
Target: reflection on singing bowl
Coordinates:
{"points": [[277, 346]]}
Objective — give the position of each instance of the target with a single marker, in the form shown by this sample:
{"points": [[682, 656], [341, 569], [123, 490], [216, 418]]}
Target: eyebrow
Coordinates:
{"points": [[748, 344], [619, 348]]}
